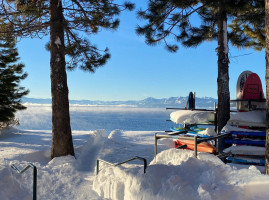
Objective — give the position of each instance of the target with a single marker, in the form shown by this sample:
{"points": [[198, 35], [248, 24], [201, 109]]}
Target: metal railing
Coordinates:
{"points": [[30, 165], [111, 164], [195, 139]]}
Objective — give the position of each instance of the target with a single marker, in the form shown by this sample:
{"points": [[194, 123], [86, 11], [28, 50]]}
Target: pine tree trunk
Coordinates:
{"points": [[267, 85], [62, 143], [223, 69]]}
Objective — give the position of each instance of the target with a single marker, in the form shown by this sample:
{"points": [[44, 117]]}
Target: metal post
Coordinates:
{"points": [[34, 176], [219, 145], [195, 146], [155, 146], [145, 165], [216, 117], [34, 182], [97, 167], [131, 159], [194, 99]]}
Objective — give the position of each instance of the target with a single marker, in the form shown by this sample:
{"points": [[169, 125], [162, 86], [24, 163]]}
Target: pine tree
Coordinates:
{"points": [[248, 27], [68, 22], [11, 74], [171, 19]]}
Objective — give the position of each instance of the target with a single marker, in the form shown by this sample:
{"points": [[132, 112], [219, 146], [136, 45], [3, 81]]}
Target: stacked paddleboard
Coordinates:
{"points": [[247, 145], [190, 117]]}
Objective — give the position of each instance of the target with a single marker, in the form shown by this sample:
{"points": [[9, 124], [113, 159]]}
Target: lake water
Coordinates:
{"points": [[38, 117]]}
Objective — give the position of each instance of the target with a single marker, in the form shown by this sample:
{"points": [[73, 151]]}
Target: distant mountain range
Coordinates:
{"points": [[177, 102]]}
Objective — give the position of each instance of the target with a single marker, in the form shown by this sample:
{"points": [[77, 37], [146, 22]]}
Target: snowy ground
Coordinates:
{"points": [[175, 174]]}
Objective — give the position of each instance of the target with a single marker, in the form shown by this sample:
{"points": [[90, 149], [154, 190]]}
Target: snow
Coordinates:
{"points": [[208, 131], [174, 174], [246, 150], [252, 116], [237, 118], [229, 128], [191, 117], [58, 42]]}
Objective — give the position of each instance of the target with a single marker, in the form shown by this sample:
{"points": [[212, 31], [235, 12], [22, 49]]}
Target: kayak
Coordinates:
{"points": [[201, 147]]}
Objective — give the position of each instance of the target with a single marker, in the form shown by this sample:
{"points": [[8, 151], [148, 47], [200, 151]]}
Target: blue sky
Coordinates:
{"points": [[137, 71]]}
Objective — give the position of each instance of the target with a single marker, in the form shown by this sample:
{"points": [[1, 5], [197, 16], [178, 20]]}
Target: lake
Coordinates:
{"points": [[38, 117]]}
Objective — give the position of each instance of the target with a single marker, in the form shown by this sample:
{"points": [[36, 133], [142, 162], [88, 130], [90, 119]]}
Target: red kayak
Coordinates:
{"points": [[201, 147]]}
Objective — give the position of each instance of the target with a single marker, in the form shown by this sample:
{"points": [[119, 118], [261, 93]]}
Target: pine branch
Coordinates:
{"points": [[160, 22]]}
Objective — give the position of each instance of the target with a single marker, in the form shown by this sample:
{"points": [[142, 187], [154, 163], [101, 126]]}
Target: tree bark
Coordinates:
{"points": [[62, 143], [267, 85], [223, 69]]}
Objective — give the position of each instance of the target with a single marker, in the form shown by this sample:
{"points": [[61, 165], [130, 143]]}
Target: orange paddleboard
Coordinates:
{"points": [[201, 147]]}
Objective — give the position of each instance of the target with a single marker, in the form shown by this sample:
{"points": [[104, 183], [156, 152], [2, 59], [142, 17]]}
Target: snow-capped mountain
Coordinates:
{"points": [[177, 102]]}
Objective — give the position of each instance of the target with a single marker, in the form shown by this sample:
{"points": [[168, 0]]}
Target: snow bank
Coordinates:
{"points": [[9, 186], [61, 178], [191, 117], [177, 174]]}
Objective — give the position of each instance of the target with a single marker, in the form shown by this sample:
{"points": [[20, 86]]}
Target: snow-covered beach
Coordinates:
{"points": [[175, 174]]}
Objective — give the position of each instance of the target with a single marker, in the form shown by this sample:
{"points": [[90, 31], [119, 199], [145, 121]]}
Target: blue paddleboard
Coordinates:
{"points": [[196, 134], [175, 129], [247, 133], [244, 160], [191, 133], [245, 142], [192, 129]]}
